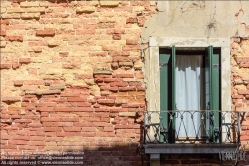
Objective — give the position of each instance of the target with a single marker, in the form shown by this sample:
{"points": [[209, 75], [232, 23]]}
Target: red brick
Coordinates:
{"points": [[131, 20], [17, 142], [5, 66], [5, 22], [76, 99], [14, 38], [10, 112], [119, 84], [72, 109], [121, 59], [64, 54], [48, 124], [105, 134], [119, 31], [36, 133], [106, 101], [24, 60], [123, 126], [48, 119], [105, 119], [130, 88], [83, 124], [64, 123], [130, 47], [56, 129], [107, 80], [102, 109], [125, 75], [85, 87], [243, 91], [35, 125], [70, 119], [89, 129], [47, 104], [86, 134], [111, 48], [70, 129], [116, 37], [32, 117], [5, 116], [114, 110], [16, 65], [99, 53], [108, 129], [84, 76], [23, 121], [101, 124], [45, 32], [84, 104], [46, 109], [37, 143], [139, 88], [246, 65], [44, 113], [104, 88], [64, 134], [131, 42], [135, 83], [18, 83], [86, 31], [2, 33], [141, 21], [18, 137], [5, 137]]}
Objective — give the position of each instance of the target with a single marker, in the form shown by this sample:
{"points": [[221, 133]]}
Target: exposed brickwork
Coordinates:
{"points": [[67, 71], [240, 83], [72, 79]]}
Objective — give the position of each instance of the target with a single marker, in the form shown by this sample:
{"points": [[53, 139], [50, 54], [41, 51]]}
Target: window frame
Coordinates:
{"points": [[152, 67], [167, 62]]}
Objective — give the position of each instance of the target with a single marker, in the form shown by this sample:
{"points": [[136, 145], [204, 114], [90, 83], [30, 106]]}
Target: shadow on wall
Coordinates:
{"points": [[128, 154], [101, 156]]}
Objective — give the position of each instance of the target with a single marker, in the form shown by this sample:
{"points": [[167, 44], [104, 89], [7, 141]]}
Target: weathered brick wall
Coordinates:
{"points": [[71, 78], [240, 83]]}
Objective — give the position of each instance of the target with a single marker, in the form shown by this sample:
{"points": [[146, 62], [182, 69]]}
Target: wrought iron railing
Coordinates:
{"points": [[192, 127]]}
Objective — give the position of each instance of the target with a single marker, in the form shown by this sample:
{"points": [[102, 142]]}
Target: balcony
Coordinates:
{"points": [[191, 131]]}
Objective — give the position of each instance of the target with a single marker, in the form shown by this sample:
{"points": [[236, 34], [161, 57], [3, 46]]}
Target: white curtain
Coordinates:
{"points": [[188, 90]]}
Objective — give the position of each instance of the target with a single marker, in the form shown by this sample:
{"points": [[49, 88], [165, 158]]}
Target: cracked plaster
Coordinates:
{"points": [[198, 19]]}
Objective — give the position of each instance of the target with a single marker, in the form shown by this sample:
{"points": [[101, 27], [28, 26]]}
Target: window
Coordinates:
{"points": [[189, 81], [161, 91]]}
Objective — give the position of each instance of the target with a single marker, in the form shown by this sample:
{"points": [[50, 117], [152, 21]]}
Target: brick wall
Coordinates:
{"points": [[240, 83], [72, 79]]}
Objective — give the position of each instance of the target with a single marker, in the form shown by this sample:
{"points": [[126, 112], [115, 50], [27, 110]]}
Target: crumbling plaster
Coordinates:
{"points": [[198, 19]]}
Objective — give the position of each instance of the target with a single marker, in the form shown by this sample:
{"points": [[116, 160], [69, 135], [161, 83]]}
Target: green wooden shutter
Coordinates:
{"points": [[212, 90], [163, 62], [173, 94], [167, 96]]}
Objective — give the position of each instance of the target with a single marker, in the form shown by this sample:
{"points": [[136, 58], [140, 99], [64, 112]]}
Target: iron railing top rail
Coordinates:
{"points": [[192, 126]]}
